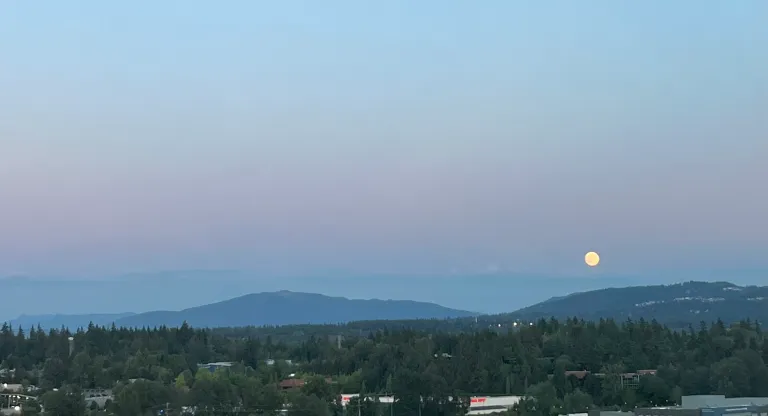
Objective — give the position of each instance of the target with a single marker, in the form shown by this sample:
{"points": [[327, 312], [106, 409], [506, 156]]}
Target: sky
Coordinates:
{"points": [[436, 137]]}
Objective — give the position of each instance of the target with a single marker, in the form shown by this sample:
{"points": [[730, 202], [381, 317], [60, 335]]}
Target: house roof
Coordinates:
{"points": [[577, 373], [291, 383]]}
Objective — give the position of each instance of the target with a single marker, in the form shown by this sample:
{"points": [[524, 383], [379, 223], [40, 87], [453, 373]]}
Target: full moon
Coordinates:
{"points": [[592, 259]]}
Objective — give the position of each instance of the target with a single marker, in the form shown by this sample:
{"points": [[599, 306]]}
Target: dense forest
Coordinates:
{"points": [[560, 366], [677, 305]]}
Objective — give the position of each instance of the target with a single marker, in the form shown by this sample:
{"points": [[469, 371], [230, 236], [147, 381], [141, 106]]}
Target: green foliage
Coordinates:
{"points": [[67, 401], [430, 372]]}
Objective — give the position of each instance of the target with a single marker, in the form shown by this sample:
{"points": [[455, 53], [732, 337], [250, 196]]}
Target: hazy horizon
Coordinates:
{"points": [[436, 138], [487, 292]]}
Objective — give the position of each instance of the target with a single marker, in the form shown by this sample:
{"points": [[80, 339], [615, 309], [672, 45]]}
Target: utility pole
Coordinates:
{"points": [[419, 405]]}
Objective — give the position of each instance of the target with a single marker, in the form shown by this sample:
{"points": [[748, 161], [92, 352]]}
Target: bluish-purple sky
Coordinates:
{"points": [[434, 136]]}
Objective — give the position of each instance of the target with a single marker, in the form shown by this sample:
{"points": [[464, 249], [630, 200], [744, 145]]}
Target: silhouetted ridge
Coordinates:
{"points": [[286, 307], [689, 302]]}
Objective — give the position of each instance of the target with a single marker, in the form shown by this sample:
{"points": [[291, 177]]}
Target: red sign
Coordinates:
{"points": [[477, 400]]}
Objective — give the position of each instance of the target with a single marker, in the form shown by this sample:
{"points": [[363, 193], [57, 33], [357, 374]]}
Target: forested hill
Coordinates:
{"points": [[295, 316], [259, 309], [566, 366], [285, 307], [676, 305]]}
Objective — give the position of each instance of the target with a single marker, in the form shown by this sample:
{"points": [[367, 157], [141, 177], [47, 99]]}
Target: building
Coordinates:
{"points": [[12, 403], [297, 383], [291, 383], [478, 405], [627, 380], [716, 400], [272, 361], [597, 412], [12, 388], [483, 405], [711, 405], [215, 366], [98, 396]]}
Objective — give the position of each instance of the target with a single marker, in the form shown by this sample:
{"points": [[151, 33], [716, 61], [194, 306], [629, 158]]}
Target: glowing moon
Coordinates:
{"points": [[592, 259]]}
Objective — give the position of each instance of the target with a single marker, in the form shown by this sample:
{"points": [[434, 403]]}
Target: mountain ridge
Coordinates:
{"points": [[149, 291], [259, 309], [678, 305], [690, 302]]}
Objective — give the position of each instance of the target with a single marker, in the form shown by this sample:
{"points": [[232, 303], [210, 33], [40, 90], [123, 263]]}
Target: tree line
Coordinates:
{"points": [[560, 366]]}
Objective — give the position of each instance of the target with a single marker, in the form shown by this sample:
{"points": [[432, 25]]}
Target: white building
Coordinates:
{"points": [[484, 405], [478, 405], [215, 366]]}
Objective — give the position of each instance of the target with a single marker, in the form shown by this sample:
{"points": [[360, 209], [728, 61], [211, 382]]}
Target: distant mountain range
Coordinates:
{"points": [[259, 309], [490, 293], [677, 305]]}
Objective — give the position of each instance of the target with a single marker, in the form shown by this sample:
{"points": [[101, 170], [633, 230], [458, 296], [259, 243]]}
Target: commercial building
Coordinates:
{"points": [[11, 388], [711, 405], [293, 383], [627, 380], [212, 367], [483, 405], [714, 400], [478, 405]]}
